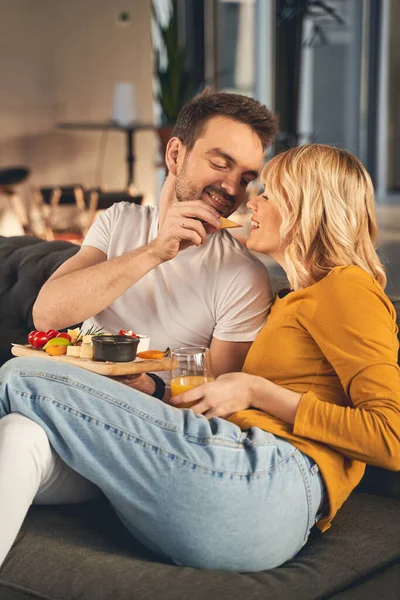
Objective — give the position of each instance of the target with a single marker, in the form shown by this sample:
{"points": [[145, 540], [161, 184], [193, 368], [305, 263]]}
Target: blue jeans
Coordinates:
{"points": [[198, 492]]}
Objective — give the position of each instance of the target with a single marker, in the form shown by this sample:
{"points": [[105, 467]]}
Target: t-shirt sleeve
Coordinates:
{"points": [[99, 234], [354, 325], [243, 307]]}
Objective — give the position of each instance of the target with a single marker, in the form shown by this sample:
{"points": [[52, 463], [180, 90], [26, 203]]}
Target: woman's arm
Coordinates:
{"points": [[369, 433], [354, 325]]}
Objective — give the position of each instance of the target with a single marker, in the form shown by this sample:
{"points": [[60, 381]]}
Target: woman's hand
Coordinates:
{"points": [[237, 391], [220, 398]]}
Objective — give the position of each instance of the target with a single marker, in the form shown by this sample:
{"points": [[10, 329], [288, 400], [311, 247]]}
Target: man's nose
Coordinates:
{"points": [[231, 185]]}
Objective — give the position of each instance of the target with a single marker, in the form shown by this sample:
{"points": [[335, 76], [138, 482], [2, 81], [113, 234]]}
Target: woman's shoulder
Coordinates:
{"points": [[350, 289], [347, 278]]}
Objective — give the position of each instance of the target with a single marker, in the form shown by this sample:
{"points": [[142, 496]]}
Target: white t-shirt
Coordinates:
{"points": [[218, 289]]}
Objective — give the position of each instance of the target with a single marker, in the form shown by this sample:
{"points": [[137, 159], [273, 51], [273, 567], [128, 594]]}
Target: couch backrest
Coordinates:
{"points": [[25, 264]]}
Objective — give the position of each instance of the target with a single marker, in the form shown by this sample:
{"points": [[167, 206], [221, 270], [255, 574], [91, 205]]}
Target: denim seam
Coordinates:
{"points": [[307, 485], [231, 444], [101, 395], [137, 440], [211, 441]]}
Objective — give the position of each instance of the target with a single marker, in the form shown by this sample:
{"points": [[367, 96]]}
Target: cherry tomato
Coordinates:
{"points": [[64, 335], [30, 336], [127, 332], [51, 333], [39, 339]]}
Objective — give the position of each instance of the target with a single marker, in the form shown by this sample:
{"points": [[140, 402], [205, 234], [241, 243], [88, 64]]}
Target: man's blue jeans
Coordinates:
{"points": [[198, 492]]}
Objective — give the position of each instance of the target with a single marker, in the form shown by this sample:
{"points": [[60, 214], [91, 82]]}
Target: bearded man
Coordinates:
{"points": [[170, 272]]}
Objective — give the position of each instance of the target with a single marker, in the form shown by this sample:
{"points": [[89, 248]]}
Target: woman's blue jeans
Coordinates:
{"points": [[198, 492]]}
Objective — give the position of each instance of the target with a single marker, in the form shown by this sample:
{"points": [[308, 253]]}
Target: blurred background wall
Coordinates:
{"points": [[59, 61], [330, 69]]}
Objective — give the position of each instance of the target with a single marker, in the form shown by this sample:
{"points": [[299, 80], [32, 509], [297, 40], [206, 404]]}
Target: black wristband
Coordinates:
{"points": [[160, 386]]}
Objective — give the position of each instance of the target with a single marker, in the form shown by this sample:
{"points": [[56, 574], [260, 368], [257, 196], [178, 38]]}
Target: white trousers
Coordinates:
{"points": [[31, 472]]}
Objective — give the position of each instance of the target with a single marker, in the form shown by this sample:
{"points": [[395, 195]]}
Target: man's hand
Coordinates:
{"points": [[141, 382], [183, 227]]}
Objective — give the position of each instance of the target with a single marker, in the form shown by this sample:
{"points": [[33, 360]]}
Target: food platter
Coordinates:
{"points": [[110, 369]]}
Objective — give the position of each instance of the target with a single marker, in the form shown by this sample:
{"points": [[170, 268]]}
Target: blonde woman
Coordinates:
{"points": [[238, 481]]}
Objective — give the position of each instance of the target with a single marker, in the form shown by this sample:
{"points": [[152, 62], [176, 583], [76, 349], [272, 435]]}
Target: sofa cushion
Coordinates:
{"points": [[25, 264], [83, 552], [384, 584]]}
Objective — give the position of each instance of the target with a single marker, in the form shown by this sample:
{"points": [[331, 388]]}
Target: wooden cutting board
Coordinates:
{"points": [[111, 369]]}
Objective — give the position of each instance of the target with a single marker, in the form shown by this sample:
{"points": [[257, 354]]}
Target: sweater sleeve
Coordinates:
{"points": [[354, 325]]}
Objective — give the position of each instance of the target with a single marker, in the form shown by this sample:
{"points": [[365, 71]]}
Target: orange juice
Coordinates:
{"points": [[183, 383]]}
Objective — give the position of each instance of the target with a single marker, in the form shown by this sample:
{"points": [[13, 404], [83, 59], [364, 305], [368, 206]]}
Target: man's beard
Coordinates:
{"points": [[186, 191]]}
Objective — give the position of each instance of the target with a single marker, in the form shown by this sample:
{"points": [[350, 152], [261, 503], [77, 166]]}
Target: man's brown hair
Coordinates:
{"points": [[207, 104]]}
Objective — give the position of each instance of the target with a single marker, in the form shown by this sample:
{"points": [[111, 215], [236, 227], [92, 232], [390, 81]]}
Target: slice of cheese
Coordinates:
{"points": [[227, 223], [87, 347], [86, 351], [74, 333], [74, 351]]}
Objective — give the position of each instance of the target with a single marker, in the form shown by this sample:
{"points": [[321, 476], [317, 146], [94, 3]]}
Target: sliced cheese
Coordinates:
{"points": [[74, 351], [227, 223], [87, 347], [86, 351], [74, 332]]}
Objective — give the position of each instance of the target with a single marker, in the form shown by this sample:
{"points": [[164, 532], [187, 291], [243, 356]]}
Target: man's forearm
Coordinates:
{"points": [[77, 296]]}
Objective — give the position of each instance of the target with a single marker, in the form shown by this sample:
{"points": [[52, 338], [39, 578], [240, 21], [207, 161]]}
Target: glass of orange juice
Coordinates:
{"points": [[193, 368]]}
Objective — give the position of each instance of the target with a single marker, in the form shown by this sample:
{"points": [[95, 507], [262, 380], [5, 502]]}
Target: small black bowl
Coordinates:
{"points": [[114, 348]]}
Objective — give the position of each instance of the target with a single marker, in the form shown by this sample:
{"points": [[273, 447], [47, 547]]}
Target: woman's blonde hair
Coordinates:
{"points": [[326, 201]]}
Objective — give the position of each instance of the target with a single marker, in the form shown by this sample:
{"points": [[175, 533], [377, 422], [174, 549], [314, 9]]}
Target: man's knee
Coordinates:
{"points": [[15, 429]]}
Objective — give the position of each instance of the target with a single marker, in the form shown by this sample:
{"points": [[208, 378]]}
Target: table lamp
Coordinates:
{"points": [[124, 105]]}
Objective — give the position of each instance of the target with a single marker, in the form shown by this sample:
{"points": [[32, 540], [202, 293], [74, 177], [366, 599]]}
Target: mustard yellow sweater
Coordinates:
{"points": [[334, 342]]}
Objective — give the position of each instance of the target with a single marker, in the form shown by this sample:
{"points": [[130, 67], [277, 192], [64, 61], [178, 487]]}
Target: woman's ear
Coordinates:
{"points": [[172, 152]]}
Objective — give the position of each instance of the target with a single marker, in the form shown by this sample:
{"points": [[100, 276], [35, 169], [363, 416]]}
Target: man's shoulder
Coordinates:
{"points": [[127, 217], [235, 265], [233, 251], [129, 208], [122, 227]]}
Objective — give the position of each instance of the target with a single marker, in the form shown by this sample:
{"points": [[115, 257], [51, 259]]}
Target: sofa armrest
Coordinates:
{"points": [[380, 482], [25, 264]]}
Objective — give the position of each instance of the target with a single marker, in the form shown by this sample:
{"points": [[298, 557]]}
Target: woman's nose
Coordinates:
{"points": [[252, 202]]}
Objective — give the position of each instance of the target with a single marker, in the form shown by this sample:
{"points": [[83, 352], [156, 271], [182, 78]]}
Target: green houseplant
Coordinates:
{"points": [[174, 81]]}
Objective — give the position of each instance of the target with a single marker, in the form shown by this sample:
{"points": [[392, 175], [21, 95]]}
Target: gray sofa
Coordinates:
{"points": [[84, 553]]}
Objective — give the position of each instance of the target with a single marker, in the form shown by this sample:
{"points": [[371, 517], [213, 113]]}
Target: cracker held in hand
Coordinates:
{"points": [[227, 223]]}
